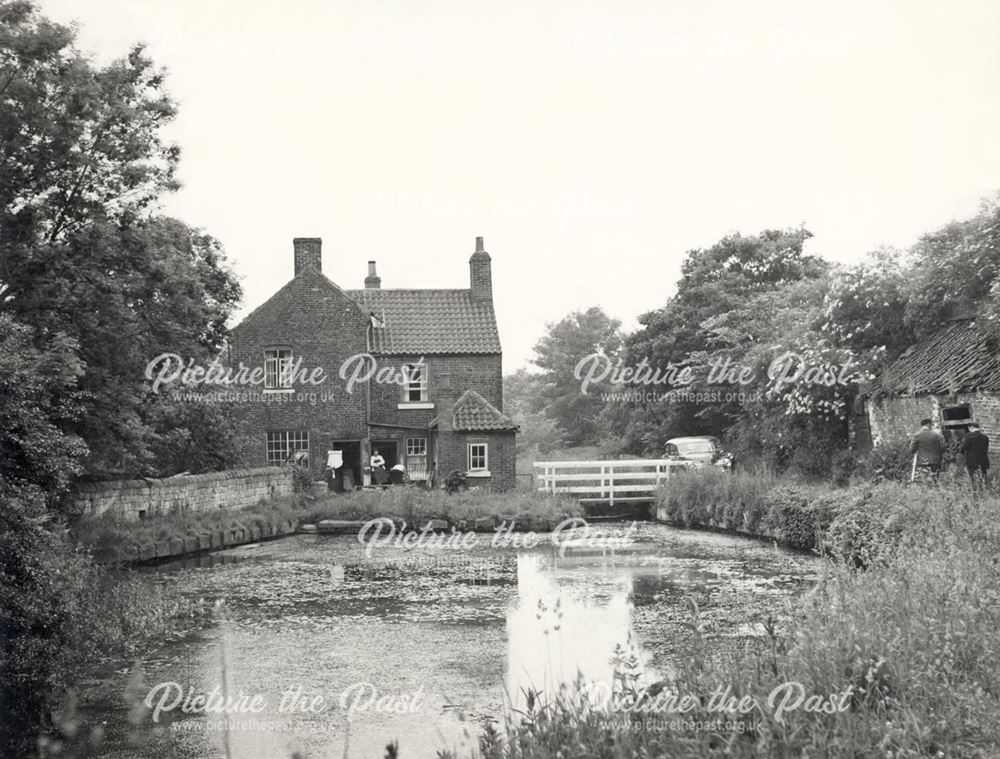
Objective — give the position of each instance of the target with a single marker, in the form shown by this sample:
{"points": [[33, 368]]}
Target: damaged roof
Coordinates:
{"points": [[961, 357]]}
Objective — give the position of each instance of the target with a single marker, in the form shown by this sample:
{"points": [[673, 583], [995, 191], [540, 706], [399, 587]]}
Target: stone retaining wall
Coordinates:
{"points": [[136, 499]]}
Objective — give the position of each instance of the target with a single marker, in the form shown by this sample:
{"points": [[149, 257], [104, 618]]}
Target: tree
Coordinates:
{"points": [[539, 434], [82, 160], [557, 354], [717, 310], [77, 144], [38, 397], [866, 306], [955, 270]]}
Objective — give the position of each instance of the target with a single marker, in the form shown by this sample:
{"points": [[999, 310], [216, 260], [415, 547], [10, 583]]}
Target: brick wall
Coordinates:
{"points": [[452, 454], [896, 418], [232, 489], [482, 373], [324, 327]]}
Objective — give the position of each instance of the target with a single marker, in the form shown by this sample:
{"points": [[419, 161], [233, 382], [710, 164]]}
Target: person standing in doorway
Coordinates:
{"points": [[975, 447], [378, 468], [928, 447]]}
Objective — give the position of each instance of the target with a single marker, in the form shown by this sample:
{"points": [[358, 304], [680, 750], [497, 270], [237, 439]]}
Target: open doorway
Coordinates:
{"points": [[389, 450], [348, 476]]}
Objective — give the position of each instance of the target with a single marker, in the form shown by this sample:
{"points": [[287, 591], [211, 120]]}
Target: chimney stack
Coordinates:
{"points": [[308, 252], [480, 272], [373, 281]]}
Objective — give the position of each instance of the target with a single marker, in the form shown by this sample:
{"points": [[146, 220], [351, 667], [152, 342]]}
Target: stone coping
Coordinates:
{"points": [[108, 486]]}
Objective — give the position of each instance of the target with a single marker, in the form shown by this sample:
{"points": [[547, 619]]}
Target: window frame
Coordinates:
{"points": [[421, 386], [278, 378], [485, 456], [412, 457], [290, 438]]}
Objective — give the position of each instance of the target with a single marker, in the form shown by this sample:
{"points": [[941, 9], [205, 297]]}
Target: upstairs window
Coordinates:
{"points": [[278, 369], [478, 457], [415, 383]]}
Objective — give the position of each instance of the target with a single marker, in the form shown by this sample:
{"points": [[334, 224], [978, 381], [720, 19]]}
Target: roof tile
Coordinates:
{"points": [[962, 357], [473, 413], [430, 321]]}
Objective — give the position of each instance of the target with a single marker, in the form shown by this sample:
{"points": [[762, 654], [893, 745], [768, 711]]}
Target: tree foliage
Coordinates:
{"points": [[754, 301], [83, 256], [558, 396]]}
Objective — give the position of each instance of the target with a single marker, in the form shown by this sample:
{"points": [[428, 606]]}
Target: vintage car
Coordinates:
{"points": [[698, 451]]}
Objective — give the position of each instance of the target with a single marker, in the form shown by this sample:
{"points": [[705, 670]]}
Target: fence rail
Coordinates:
{"points": [[605, 481]]}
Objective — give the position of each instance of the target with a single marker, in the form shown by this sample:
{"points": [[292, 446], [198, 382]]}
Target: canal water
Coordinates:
{"points": [[336, 651]]}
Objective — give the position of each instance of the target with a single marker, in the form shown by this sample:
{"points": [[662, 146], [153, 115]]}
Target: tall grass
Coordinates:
{"points": [[911, 635]]}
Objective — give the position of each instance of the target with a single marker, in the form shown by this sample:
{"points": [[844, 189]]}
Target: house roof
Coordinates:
{"points": [[430, 321], [961, 357], [473, 413]]}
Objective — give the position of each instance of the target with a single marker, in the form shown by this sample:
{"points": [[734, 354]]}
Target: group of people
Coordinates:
{"points": [[380, 476], [928, 447]]}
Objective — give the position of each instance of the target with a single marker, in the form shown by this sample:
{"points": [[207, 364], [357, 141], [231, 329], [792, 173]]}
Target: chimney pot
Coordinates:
{"points": [[479, 245], [308, 253], [372, 281]]}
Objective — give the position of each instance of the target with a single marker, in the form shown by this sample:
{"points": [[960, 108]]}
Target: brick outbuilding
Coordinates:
{"points": [[952, 376]]}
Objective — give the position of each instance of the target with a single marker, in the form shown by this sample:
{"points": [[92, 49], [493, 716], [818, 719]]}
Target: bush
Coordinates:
{"points": [[58, 611], [454, 482], [790, 518], [708, 496], [890, 461]]}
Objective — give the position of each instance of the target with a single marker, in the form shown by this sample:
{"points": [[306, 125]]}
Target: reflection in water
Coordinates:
{"points": [[469, 630], [566, 620]]}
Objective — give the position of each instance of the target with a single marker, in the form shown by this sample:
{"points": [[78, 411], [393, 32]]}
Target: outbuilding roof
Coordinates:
{"points": [[429, 321], [962, 357], [473, 413]]}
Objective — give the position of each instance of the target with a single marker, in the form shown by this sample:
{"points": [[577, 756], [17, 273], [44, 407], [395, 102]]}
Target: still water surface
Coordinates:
{"points": [[447, 637]]}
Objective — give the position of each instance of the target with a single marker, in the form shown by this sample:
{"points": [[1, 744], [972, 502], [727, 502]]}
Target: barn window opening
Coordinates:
{"points": [[955, 421]]}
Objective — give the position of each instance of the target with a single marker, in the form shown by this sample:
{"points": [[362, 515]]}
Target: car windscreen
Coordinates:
{"points": [[696, 446]]}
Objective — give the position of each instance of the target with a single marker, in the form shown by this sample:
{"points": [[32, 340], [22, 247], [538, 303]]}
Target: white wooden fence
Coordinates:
{"points": [[608, 482]]}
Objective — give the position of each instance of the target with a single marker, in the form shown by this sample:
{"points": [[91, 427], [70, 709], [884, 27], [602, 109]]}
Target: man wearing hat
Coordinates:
{"points": [[975, 447]]}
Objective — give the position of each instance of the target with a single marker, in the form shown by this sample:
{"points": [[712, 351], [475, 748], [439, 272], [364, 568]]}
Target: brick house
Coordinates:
{"points": [[951, 376], [426, 364]]}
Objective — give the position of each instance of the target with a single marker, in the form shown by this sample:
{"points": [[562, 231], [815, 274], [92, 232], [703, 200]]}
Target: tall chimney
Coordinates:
{"points": [[373, 281], [480, 272], [308, 252]]}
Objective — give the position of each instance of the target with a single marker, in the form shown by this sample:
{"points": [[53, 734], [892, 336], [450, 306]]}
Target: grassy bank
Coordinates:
{"points": [[110, 537], [905, 623]]}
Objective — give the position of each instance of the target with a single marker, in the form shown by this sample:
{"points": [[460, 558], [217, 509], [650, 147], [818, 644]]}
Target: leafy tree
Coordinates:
{"points": [[38, 395], [557, 354], [717, 311], [77, 143], [955, 270], [539, 434], [866, 306], [82, 160]]}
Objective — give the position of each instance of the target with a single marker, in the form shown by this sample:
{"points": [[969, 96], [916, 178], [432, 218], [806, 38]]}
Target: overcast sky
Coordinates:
{"points": [[591, 143]]}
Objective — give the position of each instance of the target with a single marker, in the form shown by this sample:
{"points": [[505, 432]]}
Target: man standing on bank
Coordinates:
{"points": [[975, 446], [927, 445]]}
